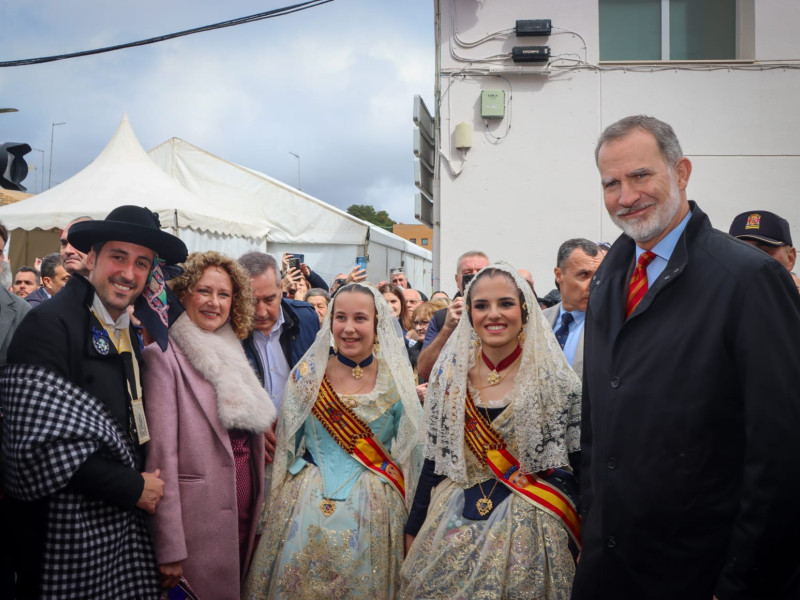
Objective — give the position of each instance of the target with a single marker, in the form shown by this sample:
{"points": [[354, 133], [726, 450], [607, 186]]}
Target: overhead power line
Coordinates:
{"points": [[278, 12]]}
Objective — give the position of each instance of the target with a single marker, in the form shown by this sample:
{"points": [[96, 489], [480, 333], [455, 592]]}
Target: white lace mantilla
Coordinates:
{"points": [[545, 398], [306, 377]]}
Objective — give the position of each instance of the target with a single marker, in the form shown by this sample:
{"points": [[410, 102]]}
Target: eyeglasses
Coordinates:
{"points": [[420, 323]]}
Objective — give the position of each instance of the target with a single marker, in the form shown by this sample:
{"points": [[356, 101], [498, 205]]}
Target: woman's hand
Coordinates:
{"points": [[171, 574]]}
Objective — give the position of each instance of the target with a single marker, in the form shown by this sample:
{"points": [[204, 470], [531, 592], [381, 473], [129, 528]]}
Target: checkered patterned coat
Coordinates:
{"points": [[92, 549]]}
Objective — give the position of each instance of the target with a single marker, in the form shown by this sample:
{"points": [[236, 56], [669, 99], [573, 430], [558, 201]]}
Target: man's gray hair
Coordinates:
{"points": [[566, 249], [665, 136], [313, 292], [49, 264], [255, 263], [469, 254]]}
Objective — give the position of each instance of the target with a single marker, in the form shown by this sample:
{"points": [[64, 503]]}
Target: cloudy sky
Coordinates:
{"points": [[334, 84]]}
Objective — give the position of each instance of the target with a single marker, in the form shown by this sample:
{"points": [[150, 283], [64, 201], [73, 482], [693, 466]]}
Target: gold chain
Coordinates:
{"points": [[327, 506], [485, 504]]}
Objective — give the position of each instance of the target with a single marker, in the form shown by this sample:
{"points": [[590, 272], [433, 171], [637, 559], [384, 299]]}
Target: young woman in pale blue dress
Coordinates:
{"points": [[348, 457]]}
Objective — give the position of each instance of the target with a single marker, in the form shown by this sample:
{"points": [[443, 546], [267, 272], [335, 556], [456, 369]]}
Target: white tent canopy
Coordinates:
{"points": [[121, 174], [211, 203], [293, 221]]}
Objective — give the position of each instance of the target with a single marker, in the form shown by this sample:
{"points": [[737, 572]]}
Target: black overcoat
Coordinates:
{"points": [[691, 426]]}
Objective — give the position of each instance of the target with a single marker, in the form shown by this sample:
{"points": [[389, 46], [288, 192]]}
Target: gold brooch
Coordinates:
{"points": [[327, 507]]}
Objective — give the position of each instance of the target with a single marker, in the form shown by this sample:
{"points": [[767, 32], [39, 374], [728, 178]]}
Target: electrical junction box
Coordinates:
{"points": [[534, 27], [493, 104], [530, 54]]}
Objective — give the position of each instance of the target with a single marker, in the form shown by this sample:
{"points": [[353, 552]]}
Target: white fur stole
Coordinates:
{"points": [[242, 402]]}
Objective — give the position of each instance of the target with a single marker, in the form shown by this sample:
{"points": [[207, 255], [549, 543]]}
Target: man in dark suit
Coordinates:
{"points": [[12, 310], [54, 276], [576, 263], [690, 407]]}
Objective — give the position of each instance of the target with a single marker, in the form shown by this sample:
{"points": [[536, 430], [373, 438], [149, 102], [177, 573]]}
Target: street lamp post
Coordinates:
{"points": [[40, 187], [50, 176], [297, 156]]}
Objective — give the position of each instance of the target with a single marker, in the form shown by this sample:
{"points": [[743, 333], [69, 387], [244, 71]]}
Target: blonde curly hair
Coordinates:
{"points": [[243, 302]]}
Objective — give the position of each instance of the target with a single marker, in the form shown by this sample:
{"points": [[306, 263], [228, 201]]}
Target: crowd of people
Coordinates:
{"points": [[194, 425]]}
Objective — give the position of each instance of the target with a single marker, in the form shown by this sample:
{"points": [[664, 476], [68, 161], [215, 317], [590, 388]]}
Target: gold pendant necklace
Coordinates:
{"points": [[494, 376], [327, 505], [485, 504], [357, 369]]}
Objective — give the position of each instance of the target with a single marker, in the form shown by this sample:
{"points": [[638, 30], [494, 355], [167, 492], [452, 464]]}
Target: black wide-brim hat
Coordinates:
{"points": [[133, 224]]}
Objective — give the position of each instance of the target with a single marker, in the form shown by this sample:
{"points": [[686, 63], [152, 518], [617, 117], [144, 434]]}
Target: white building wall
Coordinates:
{"points": [[519, 197]]}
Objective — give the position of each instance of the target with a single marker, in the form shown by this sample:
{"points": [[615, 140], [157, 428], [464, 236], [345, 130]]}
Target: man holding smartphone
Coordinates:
{"points": [[294, 267], [445, 320]]}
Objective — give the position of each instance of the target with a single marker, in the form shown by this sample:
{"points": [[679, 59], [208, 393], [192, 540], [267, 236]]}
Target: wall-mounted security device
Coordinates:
{"points": [[493, 104], [527, 27], [530, 54], [463, 136]]}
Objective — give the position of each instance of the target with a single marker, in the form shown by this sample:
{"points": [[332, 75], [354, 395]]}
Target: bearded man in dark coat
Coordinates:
{"points": [[690, 411], [74, 425]]}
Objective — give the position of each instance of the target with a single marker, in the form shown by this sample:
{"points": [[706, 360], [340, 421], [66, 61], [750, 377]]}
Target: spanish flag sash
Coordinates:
{"points": [[355, 437], [490, 448]]}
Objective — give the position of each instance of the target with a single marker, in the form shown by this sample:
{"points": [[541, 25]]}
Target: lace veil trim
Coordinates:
{"points": [[305, 379], [545, 399]]}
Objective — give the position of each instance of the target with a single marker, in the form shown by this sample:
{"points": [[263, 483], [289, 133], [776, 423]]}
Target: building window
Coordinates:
{"points": [[413, 240], [654, 30], [424, 241]]}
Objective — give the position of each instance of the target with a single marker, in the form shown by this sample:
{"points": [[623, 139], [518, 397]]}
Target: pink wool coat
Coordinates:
{"points": [[196, 520]]}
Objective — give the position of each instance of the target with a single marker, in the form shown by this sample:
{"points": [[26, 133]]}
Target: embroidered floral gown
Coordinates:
{"points": [[518, 552], [357, 551]]}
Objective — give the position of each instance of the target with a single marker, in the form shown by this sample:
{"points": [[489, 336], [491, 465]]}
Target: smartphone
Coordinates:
{"points": [[361, 261], [465, 279], [294, 262], [300, 257]]}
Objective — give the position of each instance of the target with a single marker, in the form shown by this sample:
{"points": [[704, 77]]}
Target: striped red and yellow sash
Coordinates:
{"points": [[355, 437], [490, 448]]}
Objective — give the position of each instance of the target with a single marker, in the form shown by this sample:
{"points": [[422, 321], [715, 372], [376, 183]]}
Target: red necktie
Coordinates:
{"points": [[638, 285]]}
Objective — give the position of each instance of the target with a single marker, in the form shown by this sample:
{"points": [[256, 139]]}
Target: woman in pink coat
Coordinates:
{"points": [[207, 413]]}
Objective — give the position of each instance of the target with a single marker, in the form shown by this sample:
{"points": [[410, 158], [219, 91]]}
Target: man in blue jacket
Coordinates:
{"points": [[283, 329]]}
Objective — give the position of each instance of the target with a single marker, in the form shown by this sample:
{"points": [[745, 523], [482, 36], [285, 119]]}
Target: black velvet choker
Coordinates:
{"points": [[358, 368]]}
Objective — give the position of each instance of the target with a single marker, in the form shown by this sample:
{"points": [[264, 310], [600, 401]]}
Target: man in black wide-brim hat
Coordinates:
{"points": [[74, 424]]}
